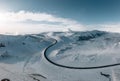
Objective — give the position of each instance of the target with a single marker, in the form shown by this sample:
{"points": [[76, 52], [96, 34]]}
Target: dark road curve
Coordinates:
{"points": [[71, 67]]}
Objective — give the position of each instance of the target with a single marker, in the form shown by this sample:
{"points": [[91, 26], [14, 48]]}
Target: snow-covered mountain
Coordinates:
{"points": [[22, 56]]}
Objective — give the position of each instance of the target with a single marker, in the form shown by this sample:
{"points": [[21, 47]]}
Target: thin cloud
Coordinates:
{"points": [[110, 27], [29, 22], [24, 22]]}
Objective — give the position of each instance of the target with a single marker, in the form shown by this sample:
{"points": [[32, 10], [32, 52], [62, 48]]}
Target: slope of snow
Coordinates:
{"points": [[92, 51], [22, 56], [17, 52]]}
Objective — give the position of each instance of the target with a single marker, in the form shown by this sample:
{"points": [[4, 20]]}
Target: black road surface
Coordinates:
{"points": [[71, 67]]}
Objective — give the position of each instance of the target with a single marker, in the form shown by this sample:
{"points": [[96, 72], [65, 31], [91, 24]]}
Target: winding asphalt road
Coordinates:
{"points": [[71, 67]]}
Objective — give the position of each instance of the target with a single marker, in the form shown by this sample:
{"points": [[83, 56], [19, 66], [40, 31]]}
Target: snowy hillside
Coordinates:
{"points": [[30, 57]]}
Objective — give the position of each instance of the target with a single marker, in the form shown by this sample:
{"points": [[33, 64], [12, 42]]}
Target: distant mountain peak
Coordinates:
{"points": [[87, 35]]}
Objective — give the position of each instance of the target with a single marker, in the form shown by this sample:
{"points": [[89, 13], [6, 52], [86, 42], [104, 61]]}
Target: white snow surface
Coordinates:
{"points": [[22, 56]]}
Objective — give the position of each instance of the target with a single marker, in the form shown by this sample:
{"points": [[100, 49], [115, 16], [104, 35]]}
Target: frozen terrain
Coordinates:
{"points": [[22, 57]]}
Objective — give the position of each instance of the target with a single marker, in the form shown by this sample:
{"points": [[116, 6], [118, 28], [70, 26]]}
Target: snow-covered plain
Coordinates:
{"points": [[22, 56]]}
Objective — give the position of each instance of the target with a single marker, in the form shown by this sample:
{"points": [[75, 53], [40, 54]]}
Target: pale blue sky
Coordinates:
{"points": [[84, 11], [34, 16]]}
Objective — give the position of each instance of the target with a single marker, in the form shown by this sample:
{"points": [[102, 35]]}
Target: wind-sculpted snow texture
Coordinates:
{"points": [[23, 57]]}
